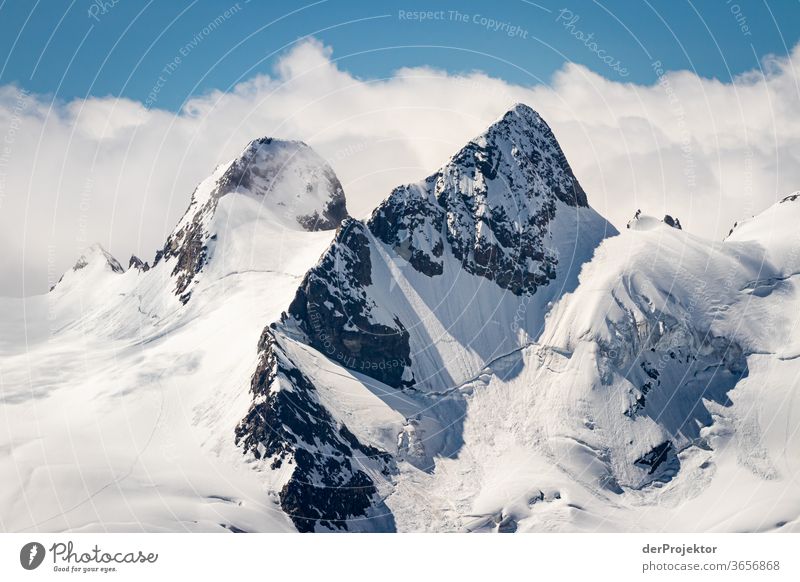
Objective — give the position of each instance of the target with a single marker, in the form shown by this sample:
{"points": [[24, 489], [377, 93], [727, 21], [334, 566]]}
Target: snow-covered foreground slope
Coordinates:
{"points": [[484, 353]]}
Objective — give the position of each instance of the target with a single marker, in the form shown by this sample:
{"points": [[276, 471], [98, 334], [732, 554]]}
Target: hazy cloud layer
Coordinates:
{"points": [[120, 173]]}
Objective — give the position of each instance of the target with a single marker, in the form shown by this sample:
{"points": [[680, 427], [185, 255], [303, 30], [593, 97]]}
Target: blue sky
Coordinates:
{"points": [[714, 143], [74, 49]]}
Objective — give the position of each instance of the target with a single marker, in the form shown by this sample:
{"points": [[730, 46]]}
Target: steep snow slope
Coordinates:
{"points": [[775, 230], [661, 397], [119, 401]]}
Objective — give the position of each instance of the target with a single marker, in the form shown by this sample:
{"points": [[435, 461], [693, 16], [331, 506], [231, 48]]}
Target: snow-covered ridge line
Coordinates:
{"points": [[276, 185]]}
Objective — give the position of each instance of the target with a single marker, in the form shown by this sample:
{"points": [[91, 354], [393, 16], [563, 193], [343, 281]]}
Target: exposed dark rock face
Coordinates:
{"points": [[661, 462], [673, 222], [189, 247], [287, 424], [137, 263], [492, 204], [522, 151], [337, 316], [411, 221]]}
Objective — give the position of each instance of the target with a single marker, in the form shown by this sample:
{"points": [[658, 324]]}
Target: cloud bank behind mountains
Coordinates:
{"points": [[121, 172]]}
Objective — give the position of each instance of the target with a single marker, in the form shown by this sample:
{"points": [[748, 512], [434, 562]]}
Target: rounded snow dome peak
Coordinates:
{"points": [[290, 179]]}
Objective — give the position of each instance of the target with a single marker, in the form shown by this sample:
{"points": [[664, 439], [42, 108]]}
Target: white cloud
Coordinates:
{"points": [[113, 171]]}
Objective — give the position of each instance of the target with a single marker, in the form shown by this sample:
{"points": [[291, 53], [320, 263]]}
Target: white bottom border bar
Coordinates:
{"points": [[401, 557]]}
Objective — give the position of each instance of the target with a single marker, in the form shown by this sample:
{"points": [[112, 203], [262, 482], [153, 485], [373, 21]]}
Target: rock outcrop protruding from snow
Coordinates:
{"points": [[643, 222], [138, 264], [339, 318], [333, 474]]}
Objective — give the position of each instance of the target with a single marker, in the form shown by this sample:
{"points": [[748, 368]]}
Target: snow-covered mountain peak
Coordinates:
{"points": [[294, 183], [520, 152], [97, 255], [274, 187], [514, 123], [496, 204], [503, 220], [776, 222], [774, 230], [94, 262]]}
